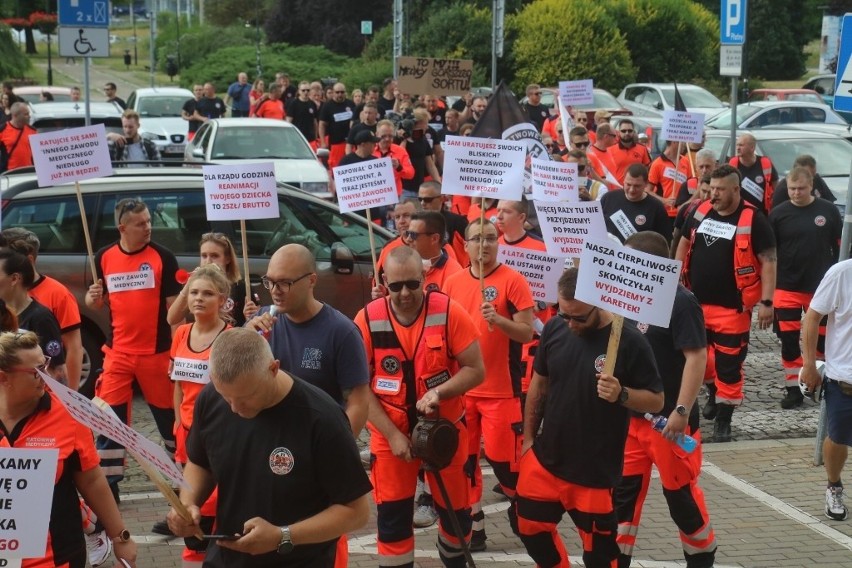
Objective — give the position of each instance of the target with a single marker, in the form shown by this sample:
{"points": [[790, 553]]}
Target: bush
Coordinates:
{"points": [[13, 63], [198, 42], [569, 39]]}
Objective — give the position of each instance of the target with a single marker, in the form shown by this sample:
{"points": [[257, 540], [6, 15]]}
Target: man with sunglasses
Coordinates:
{"points": [[335, 119], [589, 189], [302, 113], [501, 304], [431, 199], [575, 426], [424, 355], [628, 151], [403, 169], [427, 235], [579, 139], [600, 157], [536, 111], [136, 279]]}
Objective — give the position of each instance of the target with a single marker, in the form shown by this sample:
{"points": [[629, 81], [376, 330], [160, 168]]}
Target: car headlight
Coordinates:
{"points": [[315, 187]]}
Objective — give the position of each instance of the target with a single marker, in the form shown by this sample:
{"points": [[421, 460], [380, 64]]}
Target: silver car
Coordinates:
{"points": [[160, 117]]}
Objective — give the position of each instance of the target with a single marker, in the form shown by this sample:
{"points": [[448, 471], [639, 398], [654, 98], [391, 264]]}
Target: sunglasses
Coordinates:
{"points": [[582, 144], [128, 207], [414, 235], [34, 370], [626, 131], [339, 92], [410, 284], [428, 199], [304, 90], [578, 319]]}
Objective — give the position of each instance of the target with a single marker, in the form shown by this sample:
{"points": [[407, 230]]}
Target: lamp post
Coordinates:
{"points": [[257, 37], [49, 63]]}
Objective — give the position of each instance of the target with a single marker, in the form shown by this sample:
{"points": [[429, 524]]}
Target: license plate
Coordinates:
{"points": [[175, 149]]}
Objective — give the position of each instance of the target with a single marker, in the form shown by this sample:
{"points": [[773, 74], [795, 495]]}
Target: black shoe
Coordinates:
{"points": [[477, 541], [498, 489], [710, 408], [793, 399], [113, 487], [162, 527], [722, 430]]}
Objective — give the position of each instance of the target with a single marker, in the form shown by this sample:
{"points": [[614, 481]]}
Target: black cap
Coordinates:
{"points": [[365, 136]]}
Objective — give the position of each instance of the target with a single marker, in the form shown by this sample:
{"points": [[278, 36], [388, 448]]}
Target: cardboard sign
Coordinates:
{"points": [[682, 126], [72, 154], [483, 167], [87, 413], [565, 227], [365, 184], [554, 181], [541, 270], [27, 478], [576, 92], [627, 282], [420, 75], [240, 191]]}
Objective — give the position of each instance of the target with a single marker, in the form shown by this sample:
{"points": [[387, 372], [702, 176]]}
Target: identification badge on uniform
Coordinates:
{"points": [[622, 223], [128, 281], [673, 174], [387, 385], [717, 229], [437, 380], [755, 190], [343, 116]]}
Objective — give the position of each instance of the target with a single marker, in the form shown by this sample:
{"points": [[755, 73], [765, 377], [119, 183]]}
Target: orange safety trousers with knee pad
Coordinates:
{"points": [[679, 473], [543, 498], [498, 421], [789, 307], [727, 346]]}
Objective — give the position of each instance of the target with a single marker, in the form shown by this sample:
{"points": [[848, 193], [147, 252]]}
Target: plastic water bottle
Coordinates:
{"points": [[687, 443]]}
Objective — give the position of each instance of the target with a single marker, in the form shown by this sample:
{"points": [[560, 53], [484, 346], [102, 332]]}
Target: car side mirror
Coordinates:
{"points": [[342, 260], [198, 153], [658, 105]]}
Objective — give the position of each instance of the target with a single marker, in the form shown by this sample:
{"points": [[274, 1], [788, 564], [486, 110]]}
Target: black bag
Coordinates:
{"points": [[435, 441]]}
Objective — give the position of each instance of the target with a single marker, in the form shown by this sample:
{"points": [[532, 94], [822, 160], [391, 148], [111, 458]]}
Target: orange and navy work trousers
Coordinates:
{"points": [[679, 476], [498, 422], [394, 484], [727, 347], [543, 498], [115, 387], [789, 307]]}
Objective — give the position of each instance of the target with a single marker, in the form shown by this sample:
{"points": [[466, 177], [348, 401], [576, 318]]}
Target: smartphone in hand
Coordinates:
{"points": [[222, 537]]}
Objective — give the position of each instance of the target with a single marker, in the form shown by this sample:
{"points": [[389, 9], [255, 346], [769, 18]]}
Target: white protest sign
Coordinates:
{"points": [[682, 126], [755, 190], [566, 226], [87, 413], [576, 92], [72, 154], [27, 478], [627, 282], [240, 191], [482, 167], [365, 184], [554, 181], [6, 562], [541, 270]]}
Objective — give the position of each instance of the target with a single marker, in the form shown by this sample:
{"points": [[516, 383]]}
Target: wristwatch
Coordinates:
{"points": [[123, 536], [286, 545], [680, 409], [623, 395], [766, 303]]}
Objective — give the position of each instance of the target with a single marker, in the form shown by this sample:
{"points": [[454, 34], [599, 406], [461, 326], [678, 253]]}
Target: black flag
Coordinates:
{"points": [[678, 105], [503, 111]]}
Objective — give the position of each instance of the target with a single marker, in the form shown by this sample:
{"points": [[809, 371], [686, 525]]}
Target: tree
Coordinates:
{"points": [[13, 63], [569, 39], [775, 40]]}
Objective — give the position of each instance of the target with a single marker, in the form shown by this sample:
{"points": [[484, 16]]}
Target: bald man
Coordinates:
{"points": [[757, 172], [335, 120]]}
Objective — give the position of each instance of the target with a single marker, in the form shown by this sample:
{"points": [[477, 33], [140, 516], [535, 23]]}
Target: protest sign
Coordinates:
{"points": [[541, 270], [365, 185], [72, 154], [628, 282], [27, 478], [682, 126], [576, 93], [240, 191], [554, 181], [87, 413], [566, 226], [434, 76], [483, 167]]}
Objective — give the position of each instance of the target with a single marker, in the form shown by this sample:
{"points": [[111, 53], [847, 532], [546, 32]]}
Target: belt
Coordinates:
{"points": [[845, 386]]}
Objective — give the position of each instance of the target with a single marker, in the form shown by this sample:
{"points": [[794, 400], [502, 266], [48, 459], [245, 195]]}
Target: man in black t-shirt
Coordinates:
{"points": [[729, 260], [820, 188], [757, 173], [335, 119], [209, 106], [680, 350], [188, 111], [368, 119], [536, 111], [255, 435], [577, 450], [421, 154], [807, 230], [302, 113], [633, 210]]}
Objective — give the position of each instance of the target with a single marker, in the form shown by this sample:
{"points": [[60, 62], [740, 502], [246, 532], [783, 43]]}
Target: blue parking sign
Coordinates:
{"points": [[732, 22], [843, 78], [84, 13]]}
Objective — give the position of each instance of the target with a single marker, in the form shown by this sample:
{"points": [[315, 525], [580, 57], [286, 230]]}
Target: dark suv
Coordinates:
{"points": [[175, 197]]}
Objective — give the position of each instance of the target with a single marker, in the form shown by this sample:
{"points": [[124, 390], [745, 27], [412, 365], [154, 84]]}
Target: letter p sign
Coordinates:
{"points": [[733, 24]]}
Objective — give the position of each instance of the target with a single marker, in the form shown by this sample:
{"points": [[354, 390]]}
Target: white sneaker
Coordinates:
{"points": [[365, 457], [98, 547], [425, 514], [834, 507]]}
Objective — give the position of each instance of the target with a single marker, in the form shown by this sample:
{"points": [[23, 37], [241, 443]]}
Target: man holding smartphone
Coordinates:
{"points": [[131, 147]]}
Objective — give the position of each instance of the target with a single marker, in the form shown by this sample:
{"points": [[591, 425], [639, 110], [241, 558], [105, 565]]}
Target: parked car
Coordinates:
{"points": [[32, 93], [160, 117], [803, 95], [833, 153], [651, 99], [47, 117], [250, 140], [758, 114], [824, 85], [603, 100], [175, 196]]}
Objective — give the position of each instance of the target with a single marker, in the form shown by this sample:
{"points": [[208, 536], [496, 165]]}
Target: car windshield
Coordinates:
{"points": [[111, 124], [833, 155], [34, 98], [155, 107], [723, 119], [602, 100], [804, 97], [693, 98], [259, 142]]}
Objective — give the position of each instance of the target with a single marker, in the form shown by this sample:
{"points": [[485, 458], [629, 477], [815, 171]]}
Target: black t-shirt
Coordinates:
{"points": [[649, 214], [438, 119], [286, 464], [808, 243], [582, 437], [459, 105], [711, 266], [686, 331], [417, 150], [820, 189], [353, 158], [455, 224], [685, 210], [211, 108], [304, 115], [385, 105], [41, 321], [189, 108], [356, 128], [338, 117], [537, 115], [754, 172]]}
